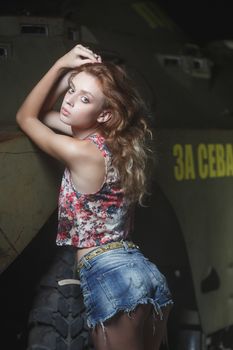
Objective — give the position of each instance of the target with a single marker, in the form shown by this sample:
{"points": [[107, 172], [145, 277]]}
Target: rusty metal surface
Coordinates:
{"points": [[29, 183], [195, 171]]}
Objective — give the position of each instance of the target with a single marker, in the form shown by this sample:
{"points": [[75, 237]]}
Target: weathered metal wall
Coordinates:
{"points": [[29, 184], [195, 172]]}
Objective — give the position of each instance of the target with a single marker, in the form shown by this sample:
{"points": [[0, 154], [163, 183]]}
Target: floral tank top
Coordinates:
{"points": [[88, 220]]}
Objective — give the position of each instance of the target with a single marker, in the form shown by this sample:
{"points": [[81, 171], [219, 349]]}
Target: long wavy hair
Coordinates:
{"points": [[127, 132]]}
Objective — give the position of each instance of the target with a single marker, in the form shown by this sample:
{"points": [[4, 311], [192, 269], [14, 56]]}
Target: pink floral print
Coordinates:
{"points": [[88, 220]]}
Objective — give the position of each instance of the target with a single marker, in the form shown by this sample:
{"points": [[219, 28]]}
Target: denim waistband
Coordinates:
{"points": [[104, 248]]}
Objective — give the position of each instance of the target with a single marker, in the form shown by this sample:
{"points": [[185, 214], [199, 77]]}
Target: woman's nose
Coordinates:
{"points": [[70, 102]]}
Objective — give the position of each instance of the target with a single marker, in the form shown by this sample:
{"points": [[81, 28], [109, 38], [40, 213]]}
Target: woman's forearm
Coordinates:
{"points": [[47, 90], [59, 88]]}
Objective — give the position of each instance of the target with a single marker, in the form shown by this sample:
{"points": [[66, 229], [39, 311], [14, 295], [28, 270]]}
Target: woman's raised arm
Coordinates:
{"points": [[49, 115], [39, 101]]}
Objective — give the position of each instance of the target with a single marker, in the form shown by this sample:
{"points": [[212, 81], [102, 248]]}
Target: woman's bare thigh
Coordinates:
{"points": [[123, 331], [154, 331]]}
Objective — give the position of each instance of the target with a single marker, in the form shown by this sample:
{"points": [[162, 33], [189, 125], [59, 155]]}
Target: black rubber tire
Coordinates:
{"points": [[57, 319]]}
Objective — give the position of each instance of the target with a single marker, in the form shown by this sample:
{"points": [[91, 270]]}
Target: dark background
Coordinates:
{"points": [[201, 20]]}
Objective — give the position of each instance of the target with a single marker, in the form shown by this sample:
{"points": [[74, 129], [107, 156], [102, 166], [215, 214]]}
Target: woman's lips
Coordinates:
{"points": [[64, 111]]}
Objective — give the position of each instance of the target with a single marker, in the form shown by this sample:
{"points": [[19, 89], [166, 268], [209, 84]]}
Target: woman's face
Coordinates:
{"points": [[83, 102]]}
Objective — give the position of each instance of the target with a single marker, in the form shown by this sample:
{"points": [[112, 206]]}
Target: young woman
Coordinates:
{"points": [[101, 139]]}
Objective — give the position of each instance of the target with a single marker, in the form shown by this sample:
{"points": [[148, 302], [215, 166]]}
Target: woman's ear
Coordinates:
{"points": [[104, 116]]}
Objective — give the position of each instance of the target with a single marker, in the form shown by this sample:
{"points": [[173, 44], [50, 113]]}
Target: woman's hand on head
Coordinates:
{"points": [[78, 56]]}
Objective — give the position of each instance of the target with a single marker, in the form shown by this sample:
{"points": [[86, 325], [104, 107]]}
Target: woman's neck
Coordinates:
{"points": [[83, 134]]}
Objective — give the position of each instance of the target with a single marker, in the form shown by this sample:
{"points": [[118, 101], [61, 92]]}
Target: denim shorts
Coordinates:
{"points": [[119, 280]]}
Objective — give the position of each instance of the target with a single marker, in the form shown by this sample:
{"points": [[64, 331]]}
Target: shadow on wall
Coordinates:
{"points": [[158, 233], [19, 282]]}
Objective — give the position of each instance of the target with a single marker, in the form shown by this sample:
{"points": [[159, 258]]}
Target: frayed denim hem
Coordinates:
{"points": [[156, 312]]}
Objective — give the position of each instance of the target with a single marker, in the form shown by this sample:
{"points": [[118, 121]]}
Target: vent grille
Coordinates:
{"points": [[34, 29]]}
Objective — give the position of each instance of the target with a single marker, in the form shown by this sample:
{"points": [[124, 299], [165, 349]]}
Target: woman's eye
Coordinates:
{"points": [[84, 99], [71, 90]]}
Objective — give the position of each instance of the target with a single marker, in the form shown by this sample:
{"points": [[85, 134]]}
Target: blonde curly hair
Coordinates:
{"points": [[127, 132]]}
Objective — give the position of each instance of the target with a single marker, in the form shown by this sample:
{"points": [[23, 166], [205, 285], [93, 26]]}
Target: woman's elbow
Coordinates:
{"points": [[19, 117], [22, 121]]}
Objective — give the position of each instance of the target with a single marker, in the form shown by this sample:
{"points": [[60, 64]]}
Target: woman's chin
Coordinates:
{"points": [[64, 119]]}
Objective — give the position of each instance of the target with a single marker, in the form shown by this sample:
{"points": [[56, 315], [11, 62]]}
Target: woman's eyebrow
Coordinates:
{"points": [[85, 92], [71, 84]]}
